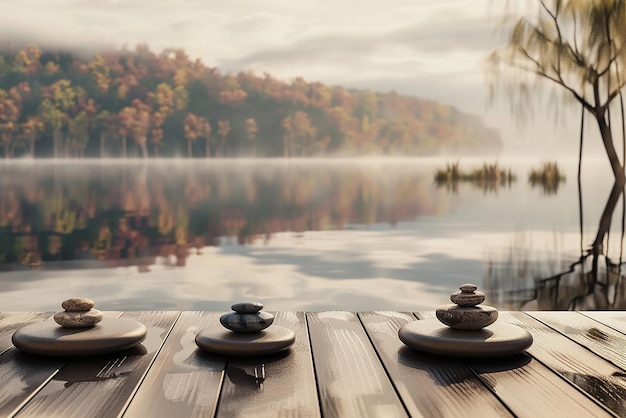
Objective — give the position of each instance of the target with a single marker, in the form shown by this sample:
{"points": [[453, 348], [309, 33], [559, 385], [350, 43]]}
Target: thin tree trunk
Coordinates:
{"points": [[144, 149], [607, 141], [580, 188], [189, 151], [607, 215], [101, 145], [208, 147]]}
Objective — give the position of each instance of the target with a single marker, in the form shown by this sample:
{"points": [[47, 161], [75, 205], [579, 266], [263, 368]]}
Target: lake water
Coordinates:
{"points": [[303, 235]]}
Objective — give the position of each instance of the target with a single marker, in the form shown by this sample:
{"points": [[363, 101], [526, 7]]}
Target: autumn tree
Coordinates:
{"points": [[54, 120], [136, 121], [297, 129], [105, 123], [193, 126], [252, 130], [576, 46], [60, 98], [223, 128], [206, 130], [9, 114], [31, 131]]}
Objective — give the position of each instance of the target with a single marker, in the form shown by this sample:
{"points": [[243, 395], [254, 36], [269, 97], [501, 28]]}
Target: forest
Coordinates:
{"points": [[141, 104]]}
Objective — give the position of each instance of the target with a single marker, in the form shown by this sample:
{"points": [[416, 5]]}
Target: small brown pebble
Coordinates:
{"points": [[468, 288], [77, 304]]}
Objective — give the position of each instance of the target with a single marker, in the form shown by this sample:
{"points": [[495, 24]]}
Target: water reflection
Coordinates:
{"points": [[129, 215], [297, 236], [593, 282]]}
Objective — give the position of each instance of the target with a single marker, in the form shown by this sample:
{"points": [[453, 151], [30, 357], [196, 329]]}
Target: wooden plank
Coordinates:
{"points": [[453, 390], [602, 340], [99, 386], [11, 321], [21, 376], [183, 381], [612, 319], [600, 379], [530, 389], [351, 380], [277, 385]]}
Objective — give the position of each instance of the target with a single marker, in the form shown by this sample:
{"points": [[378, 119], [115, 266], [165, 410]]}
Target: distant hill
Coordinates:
{"points": [[124, 103]]}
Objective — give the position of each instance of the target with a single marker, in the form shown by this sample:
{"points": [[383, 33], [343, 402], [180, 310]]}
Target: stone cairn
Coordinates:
{"points": [[247, 318], [467, 312], [78, 313]]}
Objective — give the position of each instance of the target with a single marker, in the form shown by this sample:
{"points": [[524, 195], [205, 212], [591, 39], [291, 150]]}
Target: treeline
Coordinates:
{"points": [[124, 103]]}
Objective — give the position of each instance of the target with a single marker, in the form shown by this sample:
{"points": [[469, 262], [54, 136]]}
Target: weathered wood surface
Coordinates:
{"points": [[453, 388], [592, 374], [183, 381], [100, 386], [601, 339], [351, 380], [11, 321], [343, 364]]}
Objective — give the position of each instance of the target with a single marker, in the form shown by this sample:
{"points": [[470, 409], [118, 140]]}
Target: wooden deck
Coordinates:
{"points": [[343, 364]]}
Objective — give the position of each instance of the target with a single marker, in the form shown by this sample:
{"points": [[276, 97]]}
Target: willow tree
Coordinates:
{"points": [[576, 46]]}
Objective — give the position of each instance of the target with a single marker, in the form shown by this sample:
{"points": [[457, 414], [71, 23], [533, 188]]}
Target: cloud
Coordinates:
{"points": [[439, 36]]}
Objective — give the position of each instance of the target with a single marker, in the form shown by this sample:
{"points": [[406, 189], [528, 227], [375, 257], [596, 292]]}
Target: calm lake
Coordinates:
{"points": [[304, 235]]}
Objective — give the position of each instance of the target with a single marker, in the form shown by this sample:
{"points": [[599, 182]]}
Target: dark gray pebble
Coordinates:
{"points": [[247, 323], [247, 307]]}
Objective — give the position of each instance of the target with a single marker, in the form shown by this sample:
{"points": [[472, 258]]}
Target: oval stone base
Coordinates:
{"points": [[271, 340], [498, 339], [50, 339]]}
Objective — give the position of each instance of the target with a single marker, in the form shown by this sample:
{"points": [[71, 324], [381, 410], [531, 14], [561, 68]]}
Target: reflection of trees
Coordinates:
{"points": [[126, 215], [593, 282]]}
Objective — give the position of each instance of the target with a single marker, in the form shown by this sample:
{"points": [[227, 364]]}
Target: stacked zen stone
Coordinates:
{"points": [[78, 313], [467, 311], [247, 318]]}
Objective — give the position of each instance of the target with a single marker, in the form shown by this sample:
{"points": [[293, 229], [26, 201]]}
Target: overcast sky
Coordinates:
{"points": [[430, 49]]}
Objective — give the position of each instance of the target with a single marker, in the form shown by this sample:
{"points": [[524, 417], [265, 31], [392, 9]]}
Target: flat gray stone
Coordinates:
{"points": [[49, 339], [78, 319], [217, 340], [247, 323], [247, 307], [496, 340]]}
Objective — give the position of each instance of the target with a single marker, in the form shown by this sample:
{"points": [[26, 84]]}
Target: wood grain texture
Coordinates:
{"points": [[612, 319], [183, 381], [601, 339], [11, 321], [530, 389], [453, 389], [351, 380], [21, 376], [99, 386], [600, 379], [279, 385]]}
